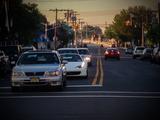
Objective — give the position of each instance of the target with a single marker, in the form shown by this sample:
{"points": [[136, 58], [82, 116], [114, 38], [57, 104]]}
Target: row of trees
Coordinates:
{"points": [[19, 21], [23, 22], [133, 24]]}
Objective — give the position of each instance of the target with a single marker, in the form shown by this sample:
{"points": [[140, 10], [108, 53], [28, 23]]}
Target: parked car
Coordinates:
{"points": [[147, 54], [129, 50], [4, 65], [138, 51], [155, 55], [76, 66], [67, 50], [39, 68], [112, 53], [158, 57], [13, 52], [85, 54]]}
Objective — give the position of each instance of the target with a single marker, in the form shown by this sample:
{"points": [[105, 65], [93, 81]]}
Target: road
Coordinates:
{"points": [[125, 89]]}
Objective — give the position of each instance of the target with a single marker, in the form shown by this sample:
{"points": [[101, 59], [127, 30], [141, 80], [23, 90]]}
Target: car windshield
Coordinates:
{"points": [[83, 52], [67, 51], [72, 58], [38, 58]]}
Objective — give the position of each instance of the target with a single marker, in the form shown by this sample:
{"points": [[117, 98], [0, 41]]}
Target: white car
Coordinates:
{"points": [[84, 52], [138, 51], [76, 66], [38, 68]]}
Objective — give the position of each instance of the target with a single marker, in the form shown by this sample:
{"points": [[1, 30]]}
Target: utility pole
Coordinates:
{"points": [[68, 15], [86, 31], [74, 24], [55, 26]]}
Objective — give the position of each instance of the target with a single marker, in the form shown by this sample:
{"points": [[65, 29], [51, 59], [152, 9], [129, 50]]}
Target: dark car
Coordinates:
{"points": [[128, 50], [112, 53], [13, 52], [147, 54], [4, 65]]}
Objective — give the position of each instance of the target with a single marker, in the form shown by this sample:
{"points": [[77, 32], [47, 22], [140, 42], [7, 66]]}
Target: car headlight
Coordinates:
{"points": [[52, 73], [88, 59], [18, 74]]}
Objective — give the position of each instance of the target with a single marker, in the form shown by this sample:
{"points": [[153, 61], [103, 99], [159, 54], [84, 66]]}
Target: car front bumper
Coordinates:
{"points": [[37, 81]]}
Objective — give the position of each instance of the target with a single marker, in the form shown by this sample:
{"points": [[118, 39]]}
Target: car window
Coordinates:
{"points": [[72, 58], [67, 51], [38, 58], [83, 52]]}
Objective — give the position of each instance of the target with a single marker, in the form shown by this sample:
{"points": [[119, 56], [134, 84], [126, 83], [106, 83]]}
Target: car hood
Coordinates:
{"points": [[36, 68], [72, 65], [84, 56]]}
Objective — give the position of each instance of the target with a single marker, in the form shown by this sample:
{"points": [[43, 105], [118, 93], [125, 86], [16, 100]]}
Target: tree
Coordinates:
{"points": [[23, 20], [90, 30], [127, 25], [27, 22], [110, 32], [64, 34]]}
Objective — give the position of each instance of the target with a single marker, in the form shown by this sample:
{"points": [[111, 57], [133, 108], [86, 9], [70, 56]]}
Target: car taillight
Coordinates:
{"points": [[106, 52]]}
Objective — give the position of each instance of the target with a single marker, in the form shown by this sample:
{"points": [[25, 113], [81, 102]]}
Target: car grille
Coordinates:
{"points": [[73, 73], [34, 73]]}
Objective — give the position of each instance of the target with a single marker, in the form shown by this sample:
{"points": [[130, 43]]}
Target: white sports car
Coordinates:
{"points": [[76, 66]]}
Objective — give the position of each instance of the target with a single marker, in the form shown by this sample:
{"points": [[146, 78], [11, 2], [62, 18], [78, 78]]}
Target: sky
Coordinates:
{"points": [[94, 12]]}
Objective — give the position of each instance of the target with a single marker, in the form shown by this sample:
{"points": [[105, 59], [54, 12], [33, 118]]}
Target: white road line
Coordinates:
{"points": [[5, 87], [72, 86], [86, 92], [68, 86], [81, 96]]}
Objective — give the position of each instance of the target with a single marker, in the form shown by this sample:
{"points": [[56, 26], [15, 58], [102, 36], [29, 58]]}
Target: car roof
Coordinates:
{"points": [[140, 47], [70, 54], [67, 49], [41, 51], [82, 48], [112, 48]]}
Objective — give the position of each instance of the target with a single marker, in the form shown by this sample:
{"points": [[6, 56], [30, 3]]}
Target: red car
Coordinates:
{"points": [[112, 53]]}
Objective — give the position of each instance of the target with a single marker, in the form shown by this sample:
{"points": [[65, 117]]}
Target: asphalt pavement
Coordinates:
{"points": [[125, 89]]}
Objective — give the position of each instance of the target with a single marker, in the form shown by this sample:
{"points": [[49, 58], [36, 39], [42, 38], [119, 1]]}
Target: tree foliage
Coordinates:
{"points": [[127, 25], [26, 20], [89, 31]]}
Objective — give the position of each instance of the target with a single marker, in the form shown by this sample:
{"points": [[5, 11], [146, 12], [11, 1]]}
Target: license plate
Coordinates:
{"points": [[34, 79]]}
